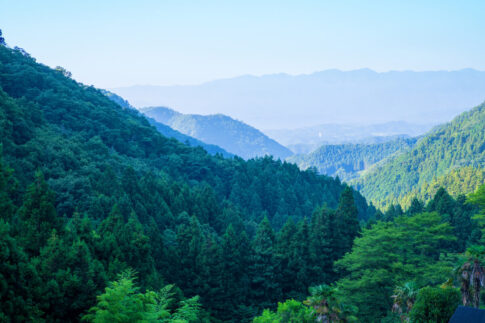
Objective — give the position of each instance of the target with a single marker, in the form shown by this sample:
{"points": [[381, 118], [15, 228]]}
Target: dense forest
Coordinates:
{"points": [[91, 193], [417, 266], [347, 160], [457, 181], [457, 144], [239, 138], [104, 219]]}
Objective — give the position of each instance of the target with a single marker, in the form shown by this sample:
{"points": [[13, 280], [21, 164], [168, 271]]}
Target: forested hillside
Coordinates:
{"points": [[457, 181], [307, 139], [91, 193], [234, 136], [458, 144], [404, 267], [167, 131], [347, 160]]}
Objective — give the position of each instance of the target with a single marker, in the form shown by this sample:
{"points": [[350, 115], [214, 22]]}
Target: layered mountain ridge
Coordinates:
{"points": [[232, 135]]}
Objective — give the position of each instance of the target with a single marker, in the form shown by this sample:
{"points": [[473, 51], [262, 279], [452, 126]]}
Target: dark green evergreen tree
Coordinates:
{"points": [[285, 248], [38, 215], [348, 223], [18, 281], [416, 207], [7, 191], [265, 290], [301, 258]]}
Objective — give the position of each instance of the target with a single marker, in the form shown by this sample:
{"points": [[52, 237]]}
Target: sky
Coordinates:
{"points": [[110, 43]]}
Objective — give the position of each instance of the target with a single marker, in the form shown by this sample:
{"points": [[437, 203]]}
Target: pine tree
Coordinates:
{"points": [[70, 278], [284, 251], [189, 245], [7, 190], [416, 207], [323, 245], [38, 215], [347, 220], [264, 287], [231, 272], [18, 279], [209, 280], [301, 257]]}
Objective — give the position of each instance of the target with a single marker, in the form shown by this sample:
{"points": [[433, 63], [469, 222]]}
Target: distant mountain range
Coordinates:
{"points": [[305, 140], [284, 101], [232, 135]]}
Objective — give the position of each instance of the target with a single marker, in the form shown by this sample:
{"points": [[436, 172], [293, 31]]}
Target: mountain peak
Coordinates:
{"points": [[230, 134]]}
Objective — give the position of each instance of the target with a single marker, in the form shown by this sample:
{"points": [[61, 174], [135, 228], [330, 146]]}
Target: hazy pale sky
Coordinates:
{"points": [[112, 43]]}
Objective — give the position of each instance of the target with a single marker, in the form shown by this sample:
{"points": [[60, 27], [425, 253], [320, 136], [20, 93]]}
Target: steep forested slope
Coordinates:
{"points": [[89, 189], [347, 160], [234, 136], [457, 144], [167, 131], [171, 133], [458, 181]]}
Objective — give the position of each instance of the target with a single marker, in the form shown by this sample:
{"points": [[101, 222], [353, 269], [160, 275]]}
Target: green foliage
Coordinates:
{"points": [[264, 287], [478, 199], [435, 304], [290, 311], [239, 138], [321, 306], [7, 191], [327, 307], [94, 189], [457, 182], [39, 215], [404, 298], [389, 254], [347, 161], [17, 280], [122, 302], [452, 146]]}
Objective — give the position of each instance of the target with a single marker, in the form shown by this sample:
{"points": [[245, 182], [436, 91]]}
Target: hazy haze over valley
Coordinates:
{"points": [[364, 97]]}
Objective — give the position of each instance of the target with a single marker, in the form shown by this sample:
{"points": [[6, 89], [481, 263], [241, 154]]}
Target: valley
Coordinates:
{"points": [[168, 173]]}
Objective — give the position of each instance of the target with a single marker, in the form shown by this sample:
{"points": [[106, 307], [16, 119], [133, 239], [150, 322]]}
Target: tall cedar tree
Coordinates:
{"points": [[347, 220], [38, 215], [264, 288]]}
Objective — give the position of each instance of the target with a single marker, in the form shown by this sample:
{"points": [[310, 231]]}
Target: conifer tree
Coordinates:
{"points": [[209, 280], [231, 272], [324, 245], [348, 222], [416, 207], [7, 185], [38, 215], [284, 251], [301, 257], [189, 245], [265, 289], [18, 278]]}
